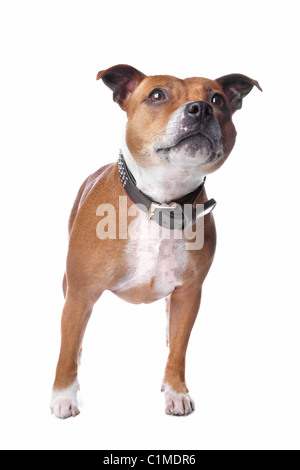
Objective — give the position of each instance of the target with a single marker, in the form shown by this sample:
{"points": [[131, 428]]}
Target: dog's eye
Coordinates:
{"points": [[218, 101], [156, 95]]}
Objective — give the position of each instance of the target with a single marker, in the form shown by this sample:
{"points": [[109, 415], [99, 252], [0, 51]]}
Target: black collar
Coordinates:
{"points": [[179, 214]]}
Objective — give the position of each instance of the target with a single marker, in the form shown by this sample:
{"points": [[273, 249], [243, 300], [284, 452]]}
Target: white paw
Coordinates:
{"points": [[64, 402], [177, 404]]}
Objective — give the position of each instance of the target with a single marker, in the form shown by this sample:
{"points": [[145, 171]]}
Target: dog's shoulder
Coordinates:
{"points": [[86, 187]]}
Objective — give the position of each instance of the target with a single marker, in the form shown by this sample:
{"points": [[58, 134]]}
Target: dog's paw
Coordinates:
{"points": [[63, 407], [64, 402], [177, 404]]}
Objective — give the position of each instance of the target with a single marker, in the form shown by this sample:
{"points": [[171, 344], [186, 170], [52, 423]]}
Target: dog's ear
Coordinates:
{"points": [[236, 87], [122, 79]]}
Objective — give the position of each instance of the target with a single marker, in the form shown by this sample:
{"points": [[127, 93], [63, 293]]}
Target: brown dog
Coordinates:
{"points": [[132, 222]]}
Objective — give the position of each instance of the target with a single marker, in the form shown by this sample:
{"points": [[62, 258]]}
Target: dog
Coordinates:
{"points": [[132, 222]]}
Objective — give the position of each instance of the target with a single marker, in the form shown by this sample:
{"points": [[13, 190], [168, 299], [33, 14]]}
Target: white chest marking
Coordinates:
{"points": [[155, 253]]}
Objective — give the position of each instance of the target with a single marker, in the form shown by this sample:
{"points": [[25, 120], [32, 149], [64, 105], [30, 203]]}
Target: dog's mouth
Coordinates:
{"points": [[191, 138], [193, 145]]}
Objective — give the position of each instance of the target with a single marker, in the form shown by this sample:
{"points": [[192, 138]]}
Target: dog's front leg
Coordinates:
{"points": [[184, 304], [75, 316]]}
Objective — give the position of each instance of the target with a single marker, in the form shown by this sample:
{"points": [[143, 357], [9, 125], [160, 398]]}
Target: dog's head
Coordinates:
{"points": [[187, 123]]}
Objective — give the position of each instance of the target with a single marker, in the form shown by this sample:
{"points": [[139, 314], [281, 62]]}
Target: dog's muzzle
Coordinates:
{"points": [[193, 131]]}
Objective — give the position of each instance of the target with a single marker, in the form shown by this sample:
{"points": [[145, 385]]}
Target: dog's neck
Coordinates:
{"points": [[162, 183]]}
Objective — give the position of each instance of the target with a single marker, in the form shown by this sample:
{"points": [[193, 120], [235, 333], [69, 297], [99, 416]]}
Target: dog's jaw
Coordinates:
{"points": [[165, 182]]}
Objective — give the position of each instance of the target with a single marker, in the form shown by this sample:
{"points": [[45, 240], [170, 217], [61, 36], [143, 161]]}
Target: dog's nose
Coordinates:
{"points": [[199, 110]]}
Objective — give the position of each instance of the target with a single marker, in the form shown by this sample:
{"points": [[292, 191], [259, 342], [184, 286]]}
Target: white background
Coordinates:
{"points": [[58, 125]]}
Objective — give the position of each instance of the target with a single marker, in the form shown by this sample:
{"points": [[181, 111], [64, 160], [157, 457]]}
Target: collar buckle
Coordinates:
{"points": [[170, 216]]}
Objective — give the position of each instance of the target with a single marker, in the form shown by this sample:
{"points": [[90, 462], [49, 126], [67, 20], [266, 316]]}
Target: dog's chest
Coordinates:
{"points": [[156, 258]]}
